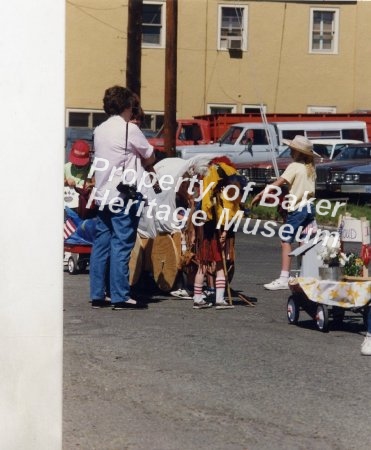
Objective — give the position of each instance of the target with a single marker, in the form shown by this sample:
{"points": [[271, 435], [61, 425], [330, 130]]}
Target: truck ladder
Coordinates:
{"points": [[270, 140]]}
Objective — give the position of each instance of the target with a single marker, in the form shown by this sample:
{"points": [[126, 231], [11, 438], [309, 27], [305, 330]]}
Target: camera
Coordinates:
{"points": [[129, 190]]}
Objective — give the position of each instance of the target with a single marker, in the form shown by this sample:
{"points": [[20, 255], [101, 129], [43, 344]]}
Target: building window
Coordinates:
{"points": [[153, 29], [324, 30], [153, 121], [232, 26], [84, 118], [248, 109], [221, 109], [78, 119], [321, 110]]}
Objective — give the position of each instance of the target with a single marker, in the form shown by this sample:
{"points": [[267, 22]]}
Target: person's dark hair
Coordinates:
{"points": [[138, 113], [117, 99]]}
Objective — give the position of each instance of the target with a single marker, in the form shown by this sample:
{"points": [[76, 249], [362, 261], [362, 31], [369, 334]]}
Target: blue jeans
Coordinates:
{"points": [[109, 261], [297, 219]]}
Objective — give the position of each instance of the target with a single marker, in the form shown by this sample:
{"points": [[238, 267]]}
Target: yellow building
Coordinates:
{"points": [[232, 56]]}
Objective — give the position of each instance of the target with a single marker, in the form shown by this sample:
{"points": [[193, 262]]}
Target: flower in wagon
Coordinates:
{"points": [[353, 265], [330, 252]]}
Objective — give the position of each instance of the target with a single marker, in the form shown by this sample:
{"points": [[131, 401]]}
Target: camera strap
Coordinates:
{"points": [[126, 146]]}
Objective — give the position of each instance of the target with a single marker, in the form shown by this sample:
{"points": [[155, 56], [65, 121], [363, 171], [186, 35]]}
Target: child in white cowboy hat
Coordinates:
{"points": [[299, 177]]}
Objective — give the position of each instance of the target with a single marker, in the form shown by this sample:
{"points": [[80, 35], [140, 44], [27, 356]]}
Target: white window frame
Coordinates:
{"points": [[335, 32], [153, 115], [244, 25], [163, 25], [90, 112], [321, 109], [221, 105]]}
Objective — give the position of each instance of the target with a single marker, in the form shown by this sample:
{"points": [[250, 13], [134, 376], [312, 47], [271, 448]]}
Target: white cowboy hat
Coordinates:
{"points": [[301, 144]]}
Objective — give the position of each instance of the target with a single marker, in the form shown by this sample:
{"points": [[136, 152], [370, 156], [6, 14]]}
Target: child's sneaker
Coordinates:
{"points": [[202, 305], [366, 346], [276, 285], [181, 293], [223, 305]]}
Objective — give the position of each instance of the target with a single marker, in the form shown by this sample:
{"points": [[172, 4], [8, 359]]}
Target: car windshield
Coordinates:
{"points": [[286, 153], [338, 149], [231, 135], [323, 150], [354, 153]]}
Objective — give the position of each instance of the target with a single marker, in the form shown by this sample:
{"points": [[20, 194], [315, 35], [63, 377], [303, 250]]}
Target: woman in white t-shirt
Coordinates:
{"points": [[299, 177], [120, 148]]}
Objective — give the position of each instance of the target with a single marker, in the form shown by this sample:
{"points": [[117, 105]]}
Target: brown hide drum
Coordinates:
{"points": [[159, 256], [177, 238], [165, 261], [162, 257], [136, 261]]}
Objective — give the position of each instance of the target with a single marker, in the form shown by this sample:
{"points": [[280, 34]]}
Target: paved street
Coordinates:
{"points": [[174, 378]]}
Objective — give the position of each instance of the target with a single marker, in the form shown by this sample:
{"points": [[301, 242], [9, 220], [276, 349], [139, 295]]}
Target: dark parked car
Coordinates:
{"points": [[357, 180], [330, 176]]}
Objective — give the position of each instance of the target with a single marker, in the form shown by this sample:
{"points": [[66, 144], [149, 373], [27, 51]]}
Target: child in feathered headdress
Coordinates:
{"points": [[214, 243]]}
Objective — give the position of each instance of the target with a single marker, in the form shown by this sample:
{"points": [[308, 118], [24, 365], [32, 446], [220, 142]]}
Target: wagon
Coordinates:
{"points": [[78, 240], [77, 257], [325, 299], [329, 298]]}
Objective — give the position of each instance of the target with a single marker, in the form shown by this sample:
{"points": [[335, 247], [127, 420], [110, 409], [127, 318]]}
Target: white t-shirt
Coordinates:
{"points": [[111, 158]]}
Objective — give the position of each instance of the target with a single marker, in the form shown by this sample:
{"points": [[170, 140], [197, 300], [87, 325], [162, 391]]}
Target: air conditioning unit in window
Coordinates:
{"points": [[234, 43]]}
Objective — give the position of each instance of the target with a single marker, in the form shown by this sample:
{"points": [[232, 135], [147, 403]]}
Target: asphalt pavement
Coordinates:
{"points": [[173, 378]]}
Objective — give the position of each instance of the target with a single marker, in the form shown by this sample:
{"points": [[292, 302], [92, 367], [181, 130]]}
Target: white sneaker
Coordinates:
{"points": [[278, 284], [181, 293], [366, 346], [223, 305], [201, 304]]}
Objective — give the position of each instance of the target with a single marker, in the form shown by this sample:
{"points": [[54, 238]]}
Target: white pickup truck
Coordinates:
{"points": [[247, 142], [242, 143]]}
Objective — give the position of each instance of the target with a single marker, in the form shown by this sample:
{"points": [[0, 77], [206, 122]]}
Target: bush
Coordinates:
{"points": [[356, 211]]}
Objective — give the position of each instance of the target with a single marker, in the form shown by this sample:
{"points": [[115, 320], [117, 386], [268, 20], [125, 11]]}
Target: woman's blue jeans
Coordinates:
{"points": [[109, 261]]}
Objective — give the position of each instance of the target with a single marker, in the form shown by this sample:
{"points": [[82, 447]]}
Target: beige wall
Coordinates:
{"points": [[277, 68], [362, 60], [95, 50]]}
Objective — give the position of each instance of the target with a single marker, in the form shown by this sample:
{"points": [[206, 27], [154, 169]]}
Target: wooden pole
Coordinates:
{"points": [[134, 46], [170, 76]]}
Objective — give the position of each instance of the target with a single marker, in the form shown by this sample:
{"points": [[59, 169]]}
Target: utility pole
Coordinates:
{"points": [[170, 76], [134, 46]]}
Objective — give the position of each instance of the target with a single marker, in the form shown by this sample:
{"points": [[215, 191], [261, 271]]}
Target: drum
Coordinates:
{"points": [[164, 259], [136, 261]]}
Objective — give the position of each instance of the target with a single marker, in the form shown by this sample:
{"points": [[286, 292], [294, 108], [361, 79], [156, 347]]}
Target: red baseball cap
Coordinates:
{"points": [[79, 154]]}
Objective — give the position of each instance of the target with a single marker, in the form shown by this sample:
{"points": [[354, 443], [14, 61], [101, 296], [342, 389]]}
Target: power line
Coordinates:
{"points": [[96, 9], [82, 9]]}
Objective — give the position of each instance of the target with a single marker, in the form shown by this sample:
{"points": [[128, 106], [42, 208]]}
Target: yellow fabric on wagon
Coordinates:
{"points": [[335, 293]]}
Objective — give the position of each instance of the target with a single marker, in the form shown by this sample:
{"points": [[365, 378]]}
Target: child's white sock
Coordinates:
{"points": [[220, 289], [284, 275], [197, 293]]}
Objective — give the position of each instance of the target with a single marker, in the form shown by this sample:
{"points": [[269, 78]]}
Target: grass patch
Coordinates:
{"points": [[356, 211]]}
